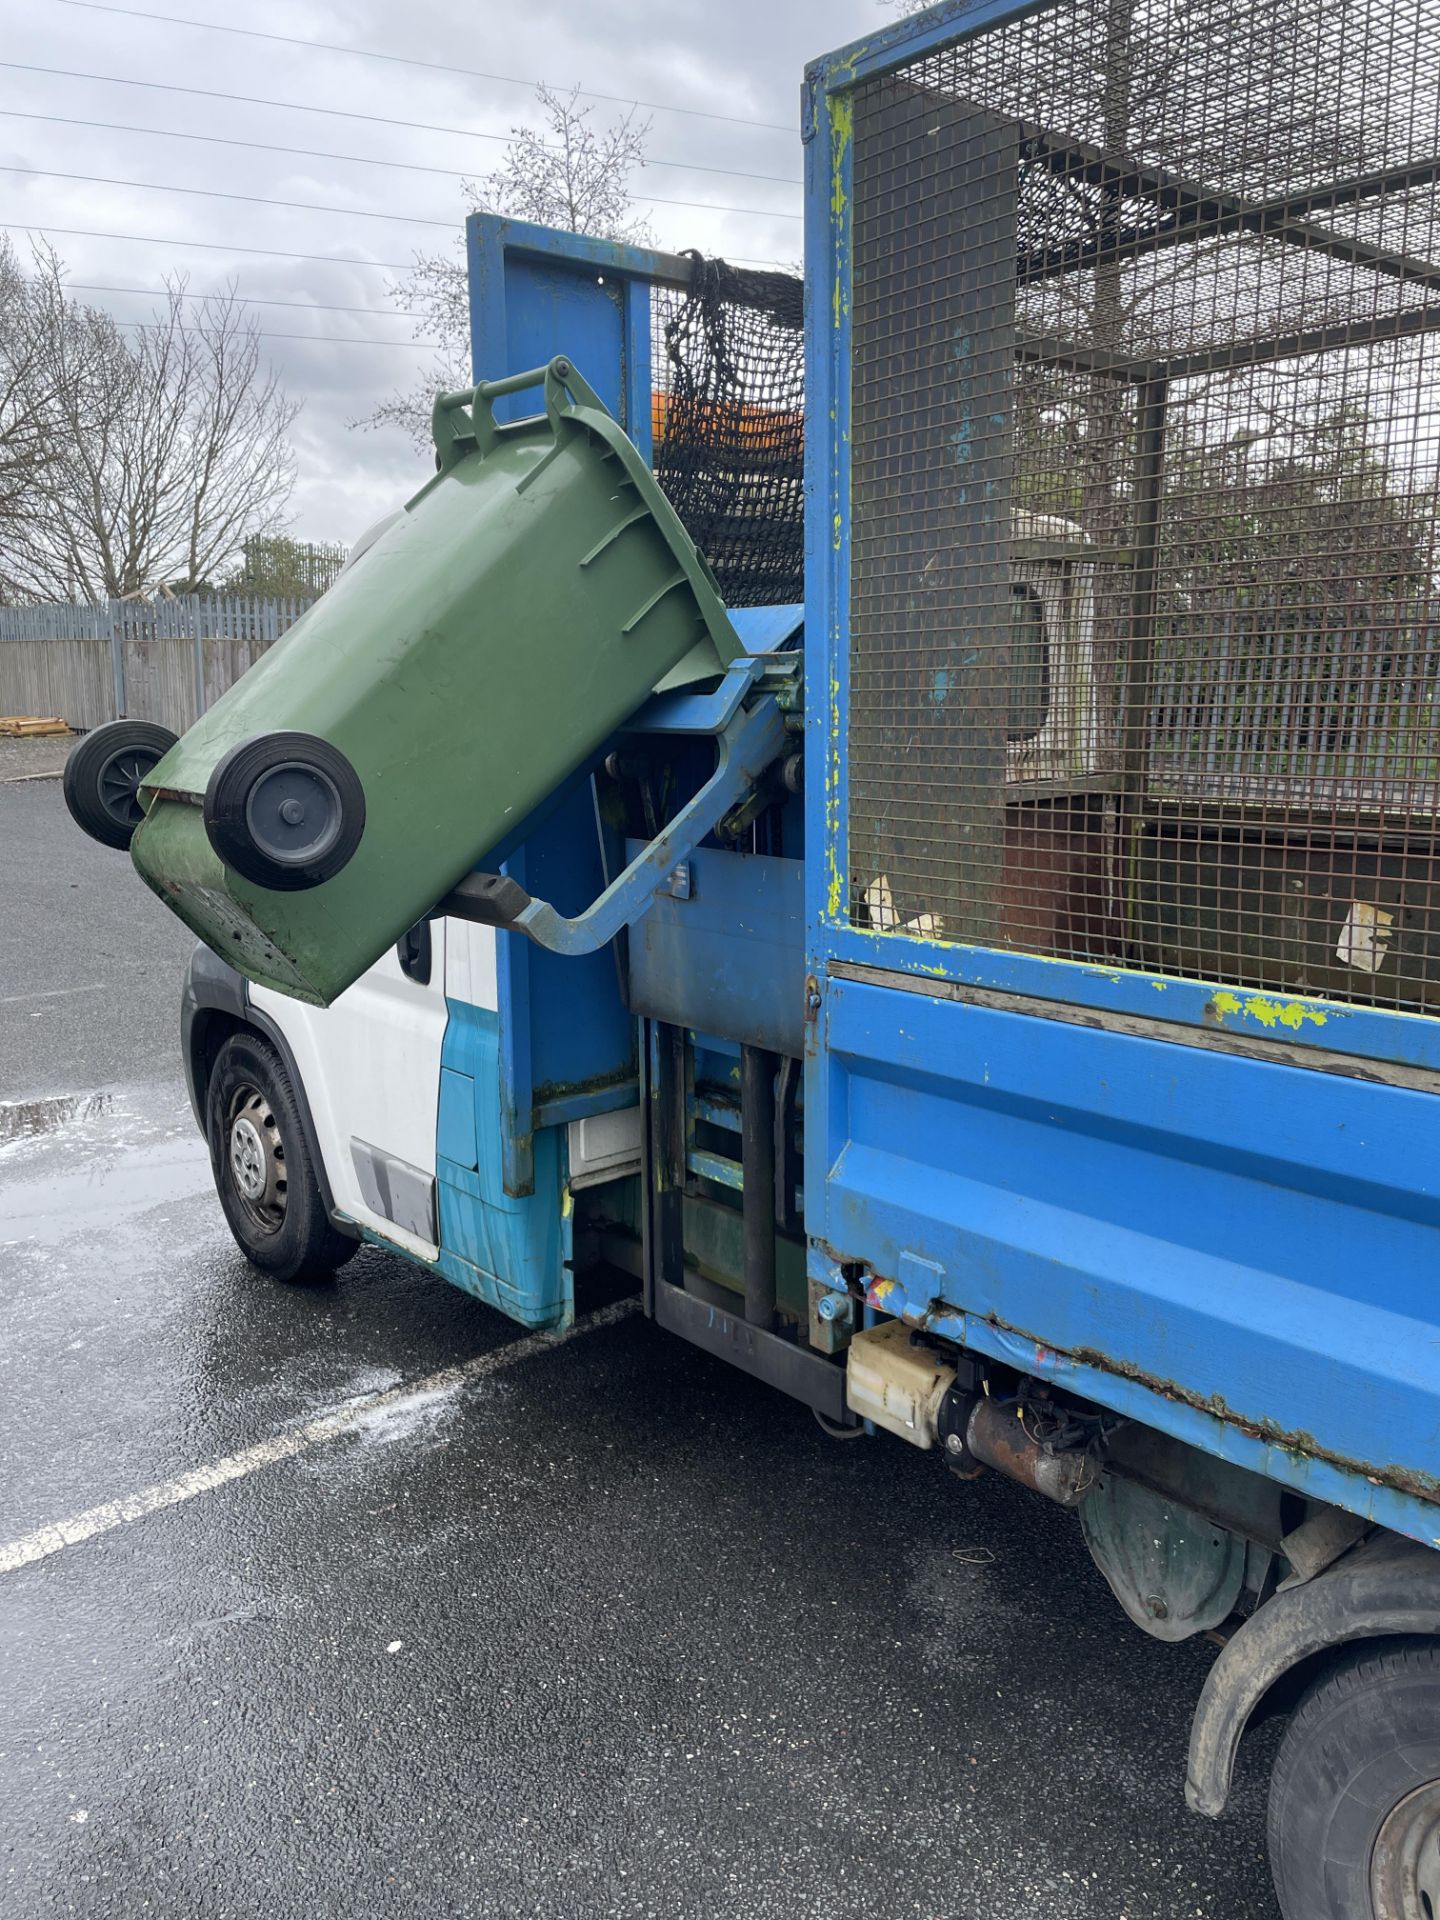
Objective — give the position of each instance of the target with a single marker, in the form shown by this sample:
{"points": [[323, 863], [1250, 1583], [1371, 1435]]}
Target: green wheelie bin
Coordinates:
{"points": [[522, 606]]}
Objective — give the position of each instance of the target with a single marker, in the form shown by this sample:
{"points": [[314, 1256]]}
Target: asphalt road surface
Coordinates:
{"points": [[358, 1601]]}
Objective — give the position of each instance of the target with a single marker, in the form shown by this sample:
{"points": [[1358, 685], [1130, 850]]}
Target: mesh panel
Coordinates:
{"points": [[729, 358], [1145, 623]]}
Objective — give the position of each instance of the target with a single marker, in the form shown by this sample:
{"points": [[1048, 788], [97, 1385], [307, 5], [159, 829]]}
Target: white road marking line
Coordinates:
{"points": [[49, 993], [44, 1541]]}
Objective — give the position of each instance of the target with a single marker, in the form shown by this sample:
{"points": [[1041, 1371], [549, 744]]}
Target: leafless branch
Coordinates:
{"points": [[164, 453], [574, 174]]}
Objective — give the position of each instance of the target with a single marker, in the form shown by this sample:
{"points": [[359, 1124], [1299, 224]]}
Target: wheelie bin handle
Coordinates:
{"points": [[465, 420], [753, 738]]}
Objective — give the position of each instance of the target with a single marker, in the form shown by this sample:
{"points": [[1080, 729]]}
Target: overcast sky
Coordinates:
{"points": [[742, 59]]}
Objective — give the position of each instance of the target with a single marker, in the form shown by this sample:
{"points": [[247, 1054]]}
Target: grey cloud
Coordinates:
{"points": [[744, 59]]}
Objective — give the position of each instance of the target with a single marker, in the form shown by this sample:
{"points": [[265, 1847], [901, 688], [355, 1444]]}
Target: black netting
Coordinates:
{"points": [[730, 426]]}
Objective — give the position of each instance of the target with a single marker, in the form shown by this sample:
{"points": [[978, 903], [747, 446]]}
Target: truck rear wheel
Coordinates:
{"points": [[263, 1171], [1354, 1822]]}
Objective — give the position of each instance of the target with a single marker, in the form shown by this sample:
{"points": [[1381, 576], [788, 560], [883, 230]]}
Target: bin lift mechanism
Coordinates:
{"points": [[743, 715]]}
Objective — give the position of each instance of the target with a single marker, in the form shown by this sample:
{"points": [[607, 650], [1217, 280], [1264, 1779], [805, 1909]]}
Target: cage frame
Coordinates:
{"points": [[1215, 1011]]}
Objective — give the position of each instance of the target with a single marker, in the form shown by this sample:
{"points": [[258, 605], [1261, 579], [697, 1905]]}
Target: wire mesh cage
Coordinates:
{"points": [[1145, 445]]}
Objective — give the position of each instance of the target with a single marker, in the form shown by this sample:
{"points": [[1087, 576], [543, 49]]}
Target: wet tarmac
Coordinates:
{"points": [[354, 1600], [37, 757], [88, 958]]}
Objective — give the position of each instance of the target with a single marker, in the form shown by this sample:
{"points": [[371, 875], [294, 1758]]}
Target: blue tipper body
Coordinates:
{"points": [[1056, 1163], [1148, 1189]]}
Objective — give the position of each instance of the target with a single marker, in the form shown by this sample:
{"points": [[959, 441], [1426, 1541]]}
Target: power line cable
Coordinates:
{"points": [[364, 159], [250, 100], [357, 213], [248, 300], [432, 66], [276, 253], [210, 246], [215, 193], [320, 339]]}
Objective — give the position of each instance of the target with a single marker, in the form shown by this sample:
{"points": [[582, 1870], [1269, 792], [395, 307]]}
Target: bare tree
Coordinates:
{"points": [[274, 563], [166, 452], [574, 175], [26, 447]]}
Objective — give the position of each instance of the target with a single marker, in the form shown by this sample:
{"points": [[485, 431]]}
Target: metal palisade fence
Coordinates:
{"points": [[164, 661]]}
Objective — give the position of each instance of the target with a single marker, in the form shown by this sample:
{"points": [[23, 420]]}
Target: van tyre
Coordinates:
{"points": [[263, 1170], [1354, 1820], [103, 776]]}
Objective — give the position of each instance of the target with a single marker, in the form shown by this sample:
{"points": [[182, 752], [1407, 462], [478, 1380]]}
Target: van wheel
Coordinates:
{"points": [[263, 1171], [1354, 1823]]}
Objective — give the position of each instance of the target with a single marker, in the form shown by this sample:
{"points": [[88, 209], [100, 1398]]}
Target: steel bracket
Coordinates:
{"points": [[752, 737]]}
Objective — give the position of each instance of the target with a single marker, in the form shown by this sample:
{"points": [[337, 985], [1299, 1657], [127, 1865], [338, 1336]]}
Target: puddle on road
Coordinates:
{"points": [[24, 1119], [96, 1197]]}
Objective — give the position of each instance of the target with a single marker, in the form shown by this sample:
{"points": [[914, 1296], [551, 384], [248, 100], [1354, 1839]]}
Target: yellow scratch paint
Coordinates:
{"points": [[842, 121], [1293, 1014], [835, 895]]}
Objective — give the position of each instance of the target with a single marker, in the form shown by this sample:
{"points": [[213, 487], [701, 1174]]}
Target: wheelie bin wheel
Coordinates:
{"points": [[285, 810], [1354, 1821], [263, 1171], [103, 776]]}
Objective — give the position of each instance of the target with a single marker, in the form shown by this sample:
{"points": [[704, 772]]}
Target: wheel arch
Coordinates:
{"points": [[1386, 1588], [214, 1006]]}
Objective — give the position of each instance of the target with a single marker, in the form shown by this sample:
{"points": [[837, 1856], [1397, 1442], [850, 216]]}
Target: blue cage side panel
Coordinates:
{"points": [[1199, 1199]]}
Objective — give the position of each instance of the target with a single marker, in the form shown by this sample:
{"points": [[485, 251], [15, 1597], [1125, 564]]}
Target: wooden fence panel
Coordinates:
{"points": [[160, 681], [65, 676], [59, 659], [82, 684], [25, 677], [225, 659]]}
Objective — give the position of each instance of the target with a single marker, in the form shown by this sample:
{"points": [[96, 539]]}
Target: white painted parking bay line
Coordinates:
{"points": [[284, 1446], [50, 993]]}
